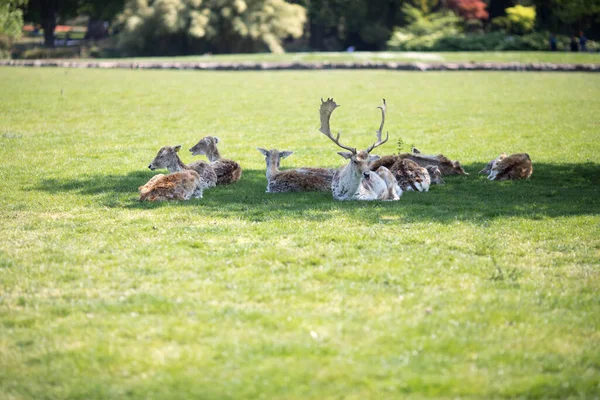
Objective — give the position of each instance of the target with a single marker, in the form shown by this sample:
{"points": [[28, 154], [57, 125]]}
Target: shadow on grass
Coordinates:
{"points": [[554, 190]]}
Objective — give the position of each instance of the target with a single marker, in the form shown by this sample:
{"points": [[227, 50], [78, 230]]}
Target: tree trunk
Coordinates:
{"points": [[48, 10]]}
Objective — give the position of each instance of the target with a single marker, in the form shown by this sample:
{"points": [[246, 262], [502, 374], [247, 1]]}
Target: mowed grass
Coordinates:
{"points": [[398, 56], [476, 289]]}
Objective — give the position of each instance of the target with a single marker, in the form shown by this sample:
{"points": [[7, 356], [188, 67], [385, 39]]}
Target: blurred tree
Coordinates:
{"points": [[11, 18], [99, 13], [362, 24], [47, 13], [223, 26], [469, 9], [568, 16]]}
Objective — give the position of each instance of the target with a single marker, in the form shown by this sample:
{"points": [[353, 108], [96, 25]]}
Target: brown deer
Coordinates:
{"points": [[355, 181], [181, 185], [435, 175], [444, 164], [503, 167], [294, 180], [168, 158], [228, 171]]}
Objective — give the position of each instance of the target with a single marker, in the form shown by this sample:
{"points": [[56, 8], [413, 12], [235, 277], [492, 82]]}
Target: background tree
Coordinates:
{"points": [[225, 26], [469, 9], [11, 18], [47, 12]]}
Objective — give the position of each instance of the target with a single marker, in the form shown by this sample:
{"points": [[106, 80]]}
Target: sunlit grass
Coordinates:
{"points": [[398, 56], [476, 289]]}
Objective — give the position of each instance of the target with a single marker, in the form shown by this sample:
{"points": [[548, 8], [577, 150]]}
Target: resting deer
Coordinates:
{"points": [[228, 171], [516, 166], [410, 176], [294, 180], [167, 158], [444, 164], [181, 185], [435, 175], [356, 181]]}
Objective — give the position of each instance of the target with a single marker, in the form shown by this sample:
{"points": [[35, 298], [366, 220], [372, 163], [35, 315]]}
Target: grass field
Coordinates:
{"points": [[427, 57], [476, 289]]}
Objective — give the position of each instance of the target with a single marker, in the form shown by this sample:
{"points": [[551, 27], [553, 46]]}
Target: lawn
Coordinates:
{"points": [[384, 56], [476, 289]]}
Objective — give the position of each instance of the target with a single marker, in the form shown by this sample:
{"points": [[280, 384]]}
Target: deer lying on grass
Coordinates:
{"points": [[503, 167], [444, 164], [294, 180], [435, 175], [356, 181], [167, 158], [181, 185], [228, 171]]}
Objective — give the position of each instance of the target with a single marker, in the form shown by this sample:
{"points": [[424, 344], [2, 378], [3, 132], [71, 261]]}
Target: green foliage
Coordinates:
{"points": [[11, 24], [219, 25], [491, 41], [45, 52], [423, 31], [521, 19], [477, 289]]}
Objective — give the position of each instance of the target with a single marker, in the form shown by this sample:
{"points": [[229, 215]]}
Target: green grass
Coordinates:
{"points": [[427, 57], [476, 289]]}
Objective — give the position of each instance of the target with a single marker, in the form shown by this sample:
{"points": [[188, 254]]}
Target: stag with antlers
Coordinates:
{"points": [[356, 181]]}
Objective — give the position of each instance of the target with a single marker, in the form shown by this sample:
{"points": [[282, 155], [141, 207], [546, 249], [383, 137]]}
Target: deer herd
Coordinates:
{"points": [[366, 176]]}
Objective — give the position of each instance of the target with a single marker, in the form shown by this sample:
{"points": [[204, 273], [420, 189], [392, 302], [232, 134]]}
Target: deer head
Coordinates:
{"points": [[488, 168], [347, 180], [166, 158], [206, 146], [273, 158]]}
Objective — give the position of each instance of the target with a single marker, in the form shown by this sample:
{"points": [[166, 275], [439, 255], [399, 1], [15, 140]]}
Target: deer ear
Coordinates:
{"points": [[373, 157], [415, 150], [263, 151], [216, 139], [177, 148], [284, 154], [345, 154]]}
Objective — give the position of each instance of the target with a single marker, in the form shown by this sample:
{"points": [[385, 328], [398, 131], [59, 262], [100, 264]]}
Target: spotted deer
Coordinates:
{"points": [[503, 167], [294, 180], [355, 181], [444, 164], [168, 158], [181, 185], [227, 171]]}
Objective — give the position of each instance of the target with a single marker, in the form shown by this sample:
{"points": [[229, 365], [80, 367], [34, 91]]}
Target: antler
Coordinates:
{"points": [[387, 136], [326, 110]]}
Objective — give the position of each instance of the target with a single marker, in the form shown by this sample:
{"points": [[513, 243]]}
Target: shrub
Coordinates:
{"points": [[521, 19], [423, 31], [184, 26], [44, 52], [469, 9], [492, 41]]}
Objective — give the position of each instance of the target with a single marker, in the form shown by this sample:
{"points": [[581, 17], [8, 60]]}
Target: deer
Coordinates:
{"points": [[293, 180], [181, 185], [410, 175], [444, 164], [356, 181], [503, 167], [168, 158], [227, 171]]}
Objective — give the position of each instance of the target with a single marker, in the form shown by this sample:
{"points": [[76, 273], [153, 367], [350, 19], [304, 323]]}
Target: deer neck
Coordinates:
{"points": [[213, 154], [176, 165], [348, 181], [272, 170]]}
